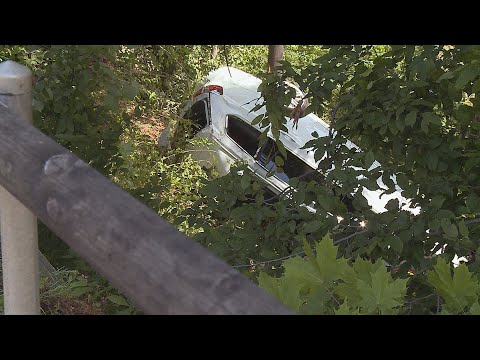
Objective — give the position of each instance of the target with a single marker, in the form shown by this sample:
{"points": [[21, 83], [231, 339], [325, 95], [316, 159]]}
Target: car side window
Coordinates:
{"points": [[244, 134]]}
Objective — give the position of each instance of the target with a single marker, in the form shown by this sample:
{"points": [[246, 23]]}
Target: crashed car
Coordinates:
{"points": [[221, 110]]}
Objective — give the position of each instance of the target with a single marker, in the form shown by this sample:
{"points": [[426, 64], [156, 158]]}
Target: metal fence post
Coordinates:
{"points": [[18, 226]]}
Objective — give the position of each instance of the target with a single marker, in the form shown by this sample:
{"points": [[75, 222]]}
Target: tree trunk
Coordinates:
{"points": [[214, 51], [275, 54]]}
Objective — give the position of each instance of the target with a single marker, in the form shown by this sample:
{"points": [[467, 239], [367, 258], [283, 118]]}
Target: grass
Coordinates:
{"points": [[59, 296], [73, 292]]}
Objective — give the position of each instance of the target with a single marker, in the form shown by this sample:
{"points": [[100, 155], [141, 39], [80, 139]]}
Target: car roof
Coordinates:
{"points": [[232, 78], [241, 87]]}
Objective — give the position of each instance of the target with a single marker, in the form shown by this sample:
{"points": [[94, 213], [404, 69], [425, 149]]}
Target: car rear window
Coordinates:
{"points": [[197, 115]]}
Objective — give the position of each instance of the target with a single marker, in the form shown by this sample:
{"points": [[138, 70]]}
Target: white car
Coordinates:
{"points": [[221, 110]]}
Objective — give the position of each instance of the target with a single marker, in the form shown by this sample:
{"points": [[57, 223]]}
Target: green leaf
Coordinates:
{"points": [[267, 253], [262, 138], [405, 235], [476, 86], [268, 283], [411, 118], [440, 277], [258, 119], [369, 159], [124, 312], [37, 105], [79, 291], [382, 295], [302, 272], [432, 118], [475, 309], [245, 181], [446, 76], [317, 301], [432, 160], [366, 73], [392, 205], [468, 74], [279, 161], [281, 148], [473, 202], [437, 202], [393, 127], [117, 299], [256, 108], [396, 243], [308, 249], [331, 268], [400, 124], [424, 125], [463, 228], [399, 111], [349, 288], [299, 196], [449, 228], [312, 226], [458, 291], [344, 309], [299, 274], [419, 228], [82, 282]]}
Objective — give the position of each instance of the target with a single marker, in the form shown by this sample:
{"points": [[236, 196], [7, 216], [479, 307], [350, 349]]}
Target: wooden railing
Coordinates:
{"points": [[159, 269]]}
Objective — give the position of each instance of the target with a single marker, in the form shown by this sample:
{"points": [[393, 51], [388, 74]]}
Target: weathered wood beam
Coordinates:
{"points": [[159, 269]]}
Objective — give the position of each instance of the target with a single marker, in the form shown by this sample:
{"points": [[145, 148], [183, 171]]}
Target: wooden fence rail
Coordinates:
{"points": [[159, 269]]}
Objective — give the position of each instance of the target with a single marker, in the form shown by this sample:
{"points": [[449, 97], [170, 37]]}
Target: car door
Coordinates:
{"points": [[241, 140]]}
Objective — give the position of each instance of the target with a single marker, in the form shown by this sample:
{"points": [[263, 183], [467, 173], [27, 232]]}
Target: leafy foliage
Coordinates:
{"points": [[414, 109], [325, 284], [241, 221], [459, 292]]}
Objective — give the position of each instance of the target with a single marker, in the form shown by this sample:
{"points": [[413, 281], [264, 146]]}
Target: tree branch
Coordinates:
{"points": [[226, 58]]}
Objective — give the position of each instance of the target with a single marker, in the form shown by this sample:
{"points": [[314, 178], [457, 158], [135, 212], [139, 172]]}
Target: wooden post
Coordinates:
{"points": [[18, 226]]}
